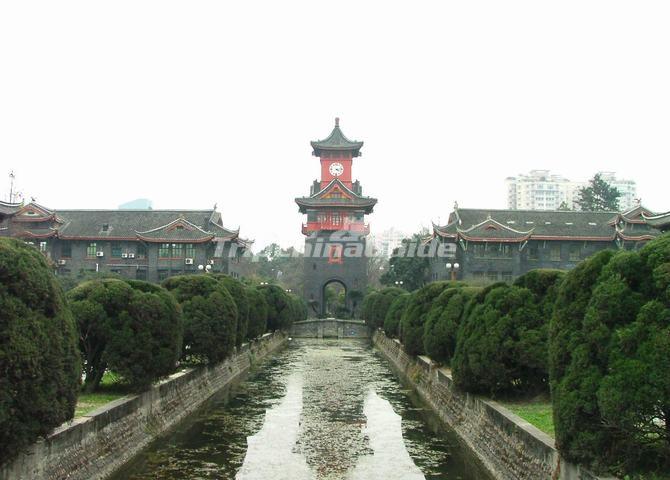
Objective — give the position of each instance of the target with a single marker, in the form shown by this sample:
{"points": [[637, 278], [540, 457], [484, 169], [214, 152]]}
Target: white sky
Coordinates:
{"points": [[195, 103]]}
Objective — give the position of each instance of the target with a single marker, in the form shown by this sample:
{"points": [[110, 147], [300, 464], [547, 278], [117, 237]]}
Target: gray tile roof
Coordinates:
{"points": [[318, 200], [336, 141], [542, 224]]}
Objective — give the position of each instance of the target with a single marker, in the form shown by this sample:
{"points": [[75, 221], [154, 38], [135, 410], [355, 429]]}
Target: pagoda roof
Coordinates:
{"points": [[179, 229], [7, 208], [349, 198], [660, 221], [490, 229], [336, 141], [520, 225]]}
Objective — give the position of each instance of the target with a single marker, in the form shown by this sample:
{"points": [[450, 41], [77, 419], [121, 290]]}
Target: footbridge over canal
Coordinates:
{"points": [[330, 328]]}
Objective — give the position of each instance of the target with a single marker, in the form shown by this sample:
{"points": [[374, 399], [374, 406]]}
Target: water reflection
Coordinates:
{"points": [[390, 458], [328, 409], [270, 452]]}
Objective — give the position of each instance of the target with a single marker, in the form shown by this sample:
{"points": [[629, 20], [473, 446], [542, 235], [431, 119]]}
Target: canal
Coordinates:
{"points": [[319, 409]]}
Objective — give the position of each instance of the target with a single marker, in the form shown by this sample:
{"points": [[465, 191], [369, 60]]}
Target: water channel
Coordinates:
{"points": [[319, 409]]}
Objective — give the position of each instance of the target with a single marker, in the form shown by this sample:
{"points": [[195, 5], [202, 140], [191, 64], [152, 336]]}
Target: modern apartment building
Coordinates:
{"points": [[541, 190]]}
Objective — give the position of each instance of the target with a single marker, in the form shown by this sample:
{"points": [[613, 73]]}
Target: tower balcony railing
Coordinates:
{"points": [[358, 227]]}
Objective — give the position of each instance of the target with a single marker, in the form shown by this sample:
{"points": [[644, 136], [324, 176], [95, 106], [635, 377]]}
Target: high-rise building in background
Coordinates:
{"points": [[540, 190], [388, 240]]}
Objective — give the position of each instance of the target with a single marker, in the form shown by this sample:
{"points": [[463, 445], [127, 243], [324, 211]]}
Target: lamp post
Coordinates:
{"points": [[453, 268], [398, 283], [205, 268]]}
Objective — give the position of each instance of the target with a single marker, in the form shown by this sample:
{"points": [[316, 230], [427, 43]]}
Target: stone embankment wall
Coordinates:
{"points": [[508, 446], [330, 328], [95, 445]]}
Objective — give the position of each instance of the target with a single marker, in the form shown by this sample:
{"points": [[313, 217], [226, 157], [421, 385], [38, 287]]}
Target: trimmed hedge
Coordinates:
{"points": [[210, 317], [39, 358], [416, 312], [240, 295], [133, 328], [610, 360], [443, 320], [281, 307], [395, 313], [378, 304], [258, 313]]}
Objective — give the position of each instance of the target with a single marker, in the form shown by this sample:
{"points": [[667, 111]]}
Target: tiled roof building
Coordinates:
{"points": [[492, 245], [143, 244]]}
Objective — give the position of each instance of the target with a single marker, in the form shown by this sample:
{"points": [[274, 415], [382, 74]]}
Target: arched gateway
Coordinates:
{"points": [[335, 243]]}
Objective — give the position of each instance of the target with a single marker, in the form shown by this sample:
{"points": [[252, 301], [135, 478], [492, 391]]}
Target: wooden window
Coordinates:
{"points": [[116, 250], [335, 218], [43, 247], [533, 252], [189, 250], [141, 250], [555, 253], [91, 249], [66, 250], [177, 250], [164, 251]]}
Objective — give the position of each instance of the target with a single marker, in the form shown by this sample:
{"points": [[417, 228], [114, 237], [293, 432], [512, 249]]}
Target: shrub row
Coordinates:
{"points": [[136, 329], [609, 360], [494, 338], [597, 338]]}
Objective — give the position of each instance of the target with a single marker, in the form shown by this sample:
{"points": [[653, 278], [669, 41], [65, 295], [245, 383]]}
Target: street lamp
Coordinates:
{"points": [[205, 268], [453, 268], [399, 283], [288, 290], [265, 283]]}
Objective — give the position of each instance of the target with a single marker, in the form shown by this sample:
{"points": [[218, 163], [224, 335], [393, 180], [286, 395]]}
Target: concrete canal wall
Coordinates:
{"points": [[95, 445], [508, 446]]}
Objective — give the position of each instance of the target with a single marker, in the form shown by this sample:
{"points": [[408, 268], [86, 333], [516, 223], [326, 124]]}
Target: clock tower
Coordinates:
{"points": [[335, 230]]}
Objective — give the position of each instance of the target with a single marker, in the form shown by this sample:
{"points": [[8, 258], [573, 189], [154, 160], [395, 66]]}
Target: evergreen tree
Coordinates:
{"points": [[39, 359], [599, 196], [408, 265]]}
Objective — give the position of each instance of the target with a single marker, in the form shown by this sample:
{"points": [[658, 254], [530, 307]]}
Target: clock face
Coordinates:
{"points": [[336, 169]]}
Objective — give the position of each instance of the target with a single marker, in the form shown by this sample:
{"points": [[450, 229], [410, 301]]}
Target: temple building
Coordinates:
{"points": [[335, 230], [140, 244], [484, 245]]}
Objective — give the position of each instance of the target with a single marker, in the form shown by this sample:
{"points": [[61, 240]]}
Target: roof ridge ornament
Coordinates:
{"points": [[337, 121]]}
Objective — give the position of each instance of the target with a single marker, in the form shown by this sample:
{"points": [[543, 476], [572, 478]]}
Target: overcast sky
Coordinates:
{"points": [[196, 103]]}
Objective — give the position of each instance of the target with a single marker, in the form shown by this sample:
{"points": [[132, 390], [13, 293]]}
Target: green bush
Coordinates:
{"points": [[501, 345], [376, 304], [39, 358], [300, 310], [210, 317], [444, 317], [133, 328], [414, 316], [394, 314], [281, 310], [258, 313], [239, 294], [609, 358], [369, 306]]}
